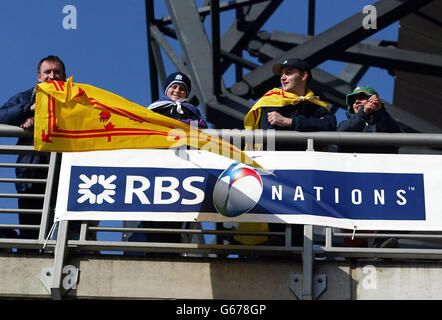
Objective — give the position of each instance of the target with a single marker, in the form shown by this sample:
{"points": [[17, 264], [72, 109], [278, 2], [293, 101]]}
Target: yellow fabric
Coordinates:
{"points": [[79, 117], [277, 98], [251, 226]]}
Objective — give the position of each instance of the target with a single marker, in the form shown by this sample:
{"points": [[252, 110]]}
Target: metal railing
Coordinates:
{"points": [[13, 229], [204, 239]]}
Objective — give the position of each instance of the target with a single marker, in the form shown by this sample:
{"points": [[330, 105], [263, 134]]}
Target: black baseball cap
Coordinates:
{"points": [[293, 63]]}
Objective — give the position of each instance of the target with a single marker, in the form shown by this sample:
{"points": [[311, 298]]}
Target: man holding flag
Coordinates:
{"points": [[19, 111]]}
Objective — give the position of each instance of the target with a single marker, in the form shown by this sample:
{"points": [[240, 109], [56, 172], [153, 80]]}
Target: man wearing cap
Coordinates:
{"points": [[294, 106], [367, 113]]}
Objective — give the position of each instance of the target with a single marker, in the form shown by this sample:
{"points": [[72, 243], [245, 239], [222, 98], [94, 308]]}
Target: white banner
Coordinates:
{"points": [[351, 191]]}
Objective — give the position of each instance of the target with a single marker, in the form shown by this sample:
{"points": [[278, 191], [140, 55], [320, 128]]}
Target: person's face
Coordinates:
{"points": [[293, 79], [51, 70], [360, 100], [176, 92]]}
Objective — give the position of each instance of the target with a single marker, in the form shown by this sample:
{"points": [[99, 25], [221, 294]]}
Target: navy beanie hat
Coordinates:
{"points": [[178, 77]]}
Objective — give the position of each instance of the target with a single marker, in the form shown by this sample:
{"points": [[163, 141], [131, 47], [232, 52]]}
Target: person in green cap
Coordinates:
{"points": [[366, 113]]}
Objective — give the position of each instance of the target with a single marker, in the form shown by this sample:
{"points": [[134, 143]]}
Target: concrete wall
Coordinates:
{"points": [[394, 280], [123, 277]]}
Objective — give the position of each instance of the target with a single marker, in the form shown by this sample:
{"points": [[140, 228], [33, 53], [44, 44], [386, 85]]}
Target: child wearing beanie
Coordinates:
{"points": [[173, 103]]}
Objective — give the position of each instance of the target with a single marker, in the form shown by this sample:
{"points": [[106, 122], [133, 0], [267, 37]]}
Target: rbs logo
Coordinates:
{"points": [[165, 190], [136, 189]]}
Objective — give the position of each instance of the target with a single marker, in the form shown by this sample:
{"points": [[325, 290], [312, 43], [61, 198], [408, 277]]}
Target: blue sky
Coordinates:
{"points": [[108, 49]]}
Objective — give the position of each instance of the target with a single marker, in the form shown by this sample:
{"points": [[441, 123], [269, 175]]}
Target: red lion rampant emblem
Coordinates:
{"points": [[104, 116]]}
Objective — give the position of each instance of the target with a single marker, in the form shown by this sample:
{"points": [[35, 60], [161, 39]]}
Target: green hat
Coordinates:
{"points": [[369, 91]]}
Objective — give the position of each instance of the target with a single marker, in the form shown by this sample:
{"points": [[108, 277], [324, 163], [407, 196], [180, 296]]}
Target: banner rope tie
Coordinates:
{"points": [[50, 234]]}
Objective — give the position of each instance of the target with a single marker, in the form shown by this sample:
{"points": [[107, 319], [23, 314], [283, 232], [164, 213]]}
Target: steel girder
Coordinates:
{"points": [[153, 64], [374, 54], [195, 45], [226, 107], [329, 43]]}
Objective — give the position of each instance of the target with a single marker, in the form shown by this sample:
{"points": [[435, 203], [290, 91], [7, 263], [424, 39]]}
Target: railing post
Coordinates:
{"points": [[288, 235], [310, 145], [57, 290], [307, 256], [49, 191], [83, 230], [307, 264], [328, 237]]}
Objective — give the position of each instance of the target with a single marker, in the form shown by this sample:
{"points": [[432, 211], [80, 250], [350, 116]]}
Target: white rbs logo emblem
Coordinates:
{"points": [[237, 190], [106, 185]]}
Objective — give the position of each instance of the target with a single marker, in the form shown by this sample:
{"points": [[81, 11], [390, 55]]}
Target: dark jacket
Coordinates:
{"points": [[306, 117], [378, 121], [188, 112], [14, 112]]}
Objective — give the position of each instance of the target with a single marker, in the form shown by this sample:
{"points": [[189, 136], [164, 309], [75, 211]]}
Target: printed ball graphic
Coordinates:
{"points": [[237, 190]]}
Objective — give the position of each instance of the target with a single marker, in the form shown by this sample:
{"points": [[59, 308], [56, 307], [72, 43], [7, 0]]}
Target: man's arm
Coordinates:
{"points": [[356, 122], [323, 120], [384, 122], [276, 119], [17, 110], [29, 122]]}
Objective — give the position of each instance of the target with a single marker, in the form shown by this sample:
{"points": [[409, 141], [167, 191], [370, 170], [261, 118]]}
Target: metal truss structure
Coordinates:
{"points": [[207, 61]]}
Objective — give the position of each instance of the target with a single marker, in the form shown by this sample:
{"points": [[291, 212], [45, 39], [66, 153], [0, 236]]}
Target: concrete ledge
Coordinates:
{"points": [[20, 275], [174, 277], [397, 280], [126, 277]]}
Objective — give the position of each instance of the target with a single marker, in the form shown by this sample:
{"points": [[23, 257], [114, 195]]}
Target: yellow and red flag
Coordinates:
{"points": [[71, 117]]}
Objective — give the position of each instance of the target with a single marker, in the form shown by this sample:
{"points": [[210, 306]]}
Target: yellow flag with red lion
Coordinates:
{"points": [[72, 117]]}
